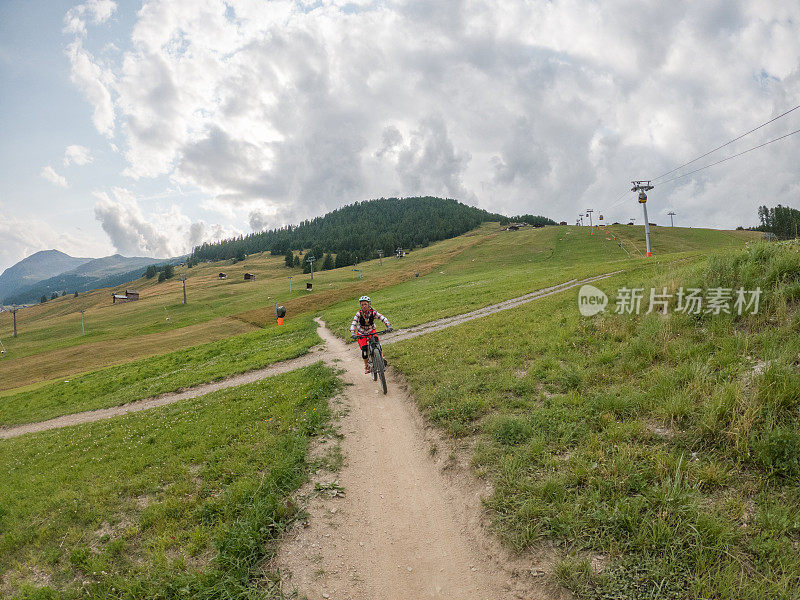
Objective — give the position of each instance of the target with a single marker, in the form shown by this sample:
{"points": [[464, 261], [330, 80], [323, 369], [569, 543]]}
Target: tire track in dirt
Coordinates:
{"points": [[403, 529], [90, 416]]}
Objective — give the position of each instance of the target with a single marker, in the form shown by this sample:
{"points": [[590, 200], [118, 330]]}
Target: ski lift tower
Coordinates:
{"points": [[642, 187]]}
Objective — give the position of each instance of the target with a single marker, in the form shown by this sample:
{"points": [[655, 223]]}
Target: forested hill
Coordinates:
{"points": [[358, 231]]}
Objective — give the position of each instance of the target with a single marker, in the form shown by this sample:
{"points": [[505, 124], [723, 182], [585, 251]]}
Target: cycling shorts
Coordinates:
{"points": [[364, 343]]}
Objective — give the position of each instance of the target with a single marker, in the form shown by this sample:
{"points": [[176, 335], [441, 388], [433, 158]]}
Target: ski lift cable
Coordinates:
{"points": [[727, 143], [731, 157]]}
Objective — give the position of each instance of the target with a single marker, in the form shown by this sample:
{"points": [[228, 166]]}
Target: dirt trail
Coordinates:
{"points": [[403, 528], [105, 413], [487, 310]]}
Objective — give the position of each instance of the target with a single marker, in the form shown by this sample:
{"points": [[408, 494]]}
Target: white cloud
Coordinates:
{"points": [[50, 175], [94, 81], [77, 155], [286, 110], [98, 10], [160, 234]]}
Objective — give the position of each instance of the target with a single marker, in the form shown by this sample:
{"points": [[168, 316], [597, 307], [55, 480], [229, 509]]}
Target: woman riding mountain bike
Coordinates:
{"points": [[363, 325]]}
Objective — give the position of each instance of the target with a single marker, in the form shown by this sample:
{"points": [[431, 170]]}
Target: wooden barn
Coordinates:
{"points": [[249, 277], [128, 296]]}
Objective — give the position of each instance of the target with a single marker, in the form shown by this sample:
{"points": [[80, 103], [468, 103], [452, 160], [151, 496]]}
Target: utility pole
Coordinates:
{"points": [[310, 260], [380, 256], [642, 187], [14, 314], [589, 212], [671, 213], [83, 326], [290, 284], [183, 279]]}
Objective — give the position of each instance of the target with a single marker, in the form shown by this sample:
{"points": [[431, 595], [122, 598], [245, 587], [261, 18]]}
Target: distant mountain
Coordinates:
{"points": [[89, 275], [37, 267], [113, 265]]}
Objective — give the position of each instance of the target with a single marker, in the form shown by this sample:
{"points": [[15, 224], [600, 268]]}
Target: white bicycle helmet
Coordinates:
{"points": [[367, 298]]}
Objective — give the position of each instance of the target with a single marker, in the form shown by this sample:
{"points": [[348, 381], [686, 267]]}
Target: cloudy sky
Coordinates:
{"points": [[147, 127]]}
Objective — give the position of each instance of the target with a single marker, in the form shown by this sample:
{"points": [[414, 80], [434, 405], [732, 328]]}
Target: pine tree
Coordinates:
{"points": [[327, 264], [289, 259]]}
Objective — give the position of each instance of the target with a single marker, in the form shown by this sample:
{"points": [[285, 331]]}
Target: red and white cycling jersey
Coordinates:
{"points": [[364, 323]]}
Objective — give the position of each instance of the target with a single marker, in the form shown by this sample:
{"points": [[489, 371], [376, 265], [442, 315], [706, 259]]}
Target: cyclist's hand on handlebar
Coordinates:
{"points": [[352, 336], [389, 328]]}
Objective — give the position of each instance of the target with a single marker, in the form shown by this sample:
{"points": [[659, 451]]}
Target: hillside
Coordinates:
{"points": [[616, 456], [477, 268], [37, 267], [360, 230]]}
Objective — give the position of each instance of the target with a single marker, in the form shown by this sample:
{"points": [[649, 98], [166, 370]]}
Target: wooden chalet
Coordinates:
{"points": [[128, 296]]}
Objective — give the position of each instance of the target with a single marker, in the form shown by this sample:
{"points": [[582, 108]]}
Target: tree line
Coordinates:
{"points": [[783, 221], [356, 232], [532, 220], [164, 272]]}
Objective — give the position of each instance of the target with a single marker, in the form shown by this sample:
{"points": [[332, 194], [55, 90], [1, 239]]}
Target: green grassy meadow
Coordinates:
{"points": [[631, 438], [509, 264], [50, 345], [155, 375], [183, 501], [658, 452]]}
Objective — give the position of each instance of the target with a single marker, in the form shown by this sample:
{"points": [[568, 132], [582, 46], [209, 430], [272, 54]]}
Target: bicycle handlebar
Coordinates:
{"points": [[364, 335]]}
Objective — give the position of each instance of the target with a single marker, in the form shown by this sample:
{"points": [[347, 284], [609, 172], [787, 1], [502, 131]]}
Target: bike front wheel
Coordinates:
{"points": [[380, 370]]}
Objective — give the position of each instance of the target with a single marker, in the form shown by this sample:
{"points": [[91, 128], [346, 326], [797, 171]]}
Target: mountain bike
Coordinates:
{"points": [[377, 366]]}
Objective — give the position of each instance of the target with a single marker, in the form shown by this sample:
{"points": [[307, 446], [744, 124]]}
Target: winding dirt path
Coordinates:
{"points": [[403, 529], [90, 416]]}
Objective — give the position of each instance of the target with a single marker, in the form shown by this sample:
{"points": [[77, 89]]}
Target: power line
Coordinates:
{"points": [[727, 143], [730, 157]]}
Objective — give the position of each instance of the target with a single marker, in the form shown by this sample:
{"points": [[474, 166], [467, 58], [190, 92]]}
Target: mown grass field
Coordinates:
{"points": [[660, 453], [184, 501], [155, 375]]}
